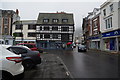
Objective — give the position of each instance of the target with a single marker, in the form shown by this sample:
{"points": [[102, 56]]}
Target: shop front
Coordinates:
{"points": [[111, 41], [94, 42]]}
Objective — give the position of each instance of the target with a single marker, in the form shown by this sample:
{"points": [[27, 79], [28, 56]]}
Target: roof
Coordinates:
{"points": [[57, 15], [26, 22]]}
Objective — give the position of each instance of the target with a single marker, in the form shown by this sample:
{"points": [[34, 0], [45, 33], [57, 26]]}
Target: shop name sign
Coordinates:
{"points": [[112, 33]]}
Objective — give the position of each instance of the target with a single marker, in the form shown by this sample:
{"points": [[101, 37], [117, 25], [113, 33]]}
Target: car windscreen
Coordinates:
{"points": [[82, 46]]}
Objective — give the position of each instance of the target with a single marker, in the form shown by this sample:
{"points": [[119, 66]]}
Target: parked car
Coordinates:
{"points": [[30, 58], [10, 64], [82, 48], [32, 46]]}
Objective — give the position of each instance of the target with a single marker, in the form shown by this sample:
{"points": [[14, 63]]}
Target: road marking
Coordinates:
{"points": [[68, 72]]}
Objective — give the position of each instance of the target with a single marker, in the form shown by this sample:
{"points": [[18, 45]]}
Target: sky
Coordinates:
{"points": [[29, 9]]}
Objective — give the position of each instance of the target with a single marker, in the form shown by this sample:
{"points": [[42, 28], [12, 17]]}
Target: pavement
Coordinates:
{"points": [[51, 67]]}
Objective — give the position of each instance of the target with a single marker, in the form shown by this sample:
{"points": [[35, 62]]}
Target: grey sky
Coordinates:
{"points": [[30, 10]]}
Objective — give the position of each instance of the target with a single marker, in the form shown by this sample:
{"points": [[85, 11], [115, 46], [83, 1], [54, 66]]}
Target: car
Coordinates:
{"points": [[30, 58], [10, 65], [32, 46], [82, 48]]}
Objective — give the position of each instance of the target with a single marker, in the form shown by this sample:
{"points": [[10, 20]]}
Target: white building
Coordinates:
{"points": [[110, 25], [26, 28]]}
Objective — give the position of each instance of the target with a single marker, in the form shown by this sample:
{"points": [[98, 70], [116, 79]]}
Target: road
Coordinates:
{"points": [[89, 64]]}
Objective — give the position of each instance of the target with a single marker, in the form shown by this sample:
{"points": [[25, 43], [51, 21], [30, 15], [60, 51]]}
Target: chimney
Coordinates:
{"points": [[17, 12]]}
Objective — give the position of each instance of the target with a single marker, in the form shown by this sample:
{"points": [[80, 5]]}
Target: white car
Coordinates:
{"points": [[10, 64]]}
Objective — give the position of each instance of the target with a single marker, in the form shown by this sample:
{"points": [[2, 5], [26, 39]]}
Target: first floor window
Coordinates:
{"points": [[31, 35], [108, 23], [55, 36], [46, 36], [18, 34]]}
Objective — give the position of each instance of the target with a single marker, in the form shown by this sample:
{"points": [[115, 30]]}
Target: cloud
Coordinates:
{"points": [[53, 0]]}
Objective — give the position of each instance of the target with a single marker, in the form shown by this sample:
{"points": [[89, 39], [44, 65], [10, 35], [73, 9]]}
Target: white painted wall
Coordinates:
{"points": [[114, 15], [25, 32]]}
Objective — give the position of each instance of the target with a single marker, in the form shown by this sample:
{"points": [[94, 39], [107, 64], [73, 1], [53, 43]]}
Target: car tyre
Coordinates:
{"points": [[28, 64], [7, 76]]}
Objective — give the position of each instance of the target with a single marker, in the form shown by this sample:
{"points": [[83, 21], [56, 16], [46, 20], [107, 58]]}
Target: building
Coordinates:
{"points": [[87, 29], [94, 39], [54, 30], [110, 25], [0, 24], [24, 31], [7, 19]]}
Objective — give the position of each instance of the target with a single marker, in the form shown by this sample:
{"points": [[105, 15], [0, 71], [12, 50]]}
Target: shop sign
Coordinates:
{"points": [[94, 37], [112, 33]]}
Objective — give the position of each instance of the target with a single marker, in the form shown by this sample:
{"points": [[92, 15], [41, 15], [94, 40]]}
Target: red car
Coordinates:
{"points": [[32, 46]]}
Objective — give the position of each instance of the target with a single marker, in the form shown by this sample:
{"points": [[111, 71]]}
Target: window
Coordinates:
{"points": [[111, 8], [64, 20], [64, 28], [5, 29], [17, 50], [55, 36], [31, 26], [41, 36], [5, 20], [18, 34], [45, 20], [55, 20], [46, 28], [31, 34], [40, 28], [108, 23], [46, 36], [55, 28], [104, 12], [19, 26]]}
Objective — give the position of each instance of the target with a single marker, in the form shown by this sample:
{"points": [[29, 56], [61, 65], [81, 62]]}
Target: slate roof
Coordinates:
{"points": [[25, 22], [58, 16]]}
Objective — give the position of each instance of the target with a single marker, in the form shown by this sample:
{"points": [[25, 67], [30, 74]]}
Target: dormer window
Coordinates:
{"points": [[45, 20], [55, 20], [64, 20]]}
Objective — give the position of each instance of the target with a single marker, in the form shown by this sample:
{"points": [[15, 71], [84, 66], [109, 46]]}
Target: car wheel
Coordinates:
{"points": [[28, 64], [7, 76]]}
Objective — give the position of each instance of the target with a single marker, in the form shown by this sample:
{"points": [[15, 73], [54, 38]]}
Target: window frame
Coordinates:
{"points": [[45, 20], [104, 12]]}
